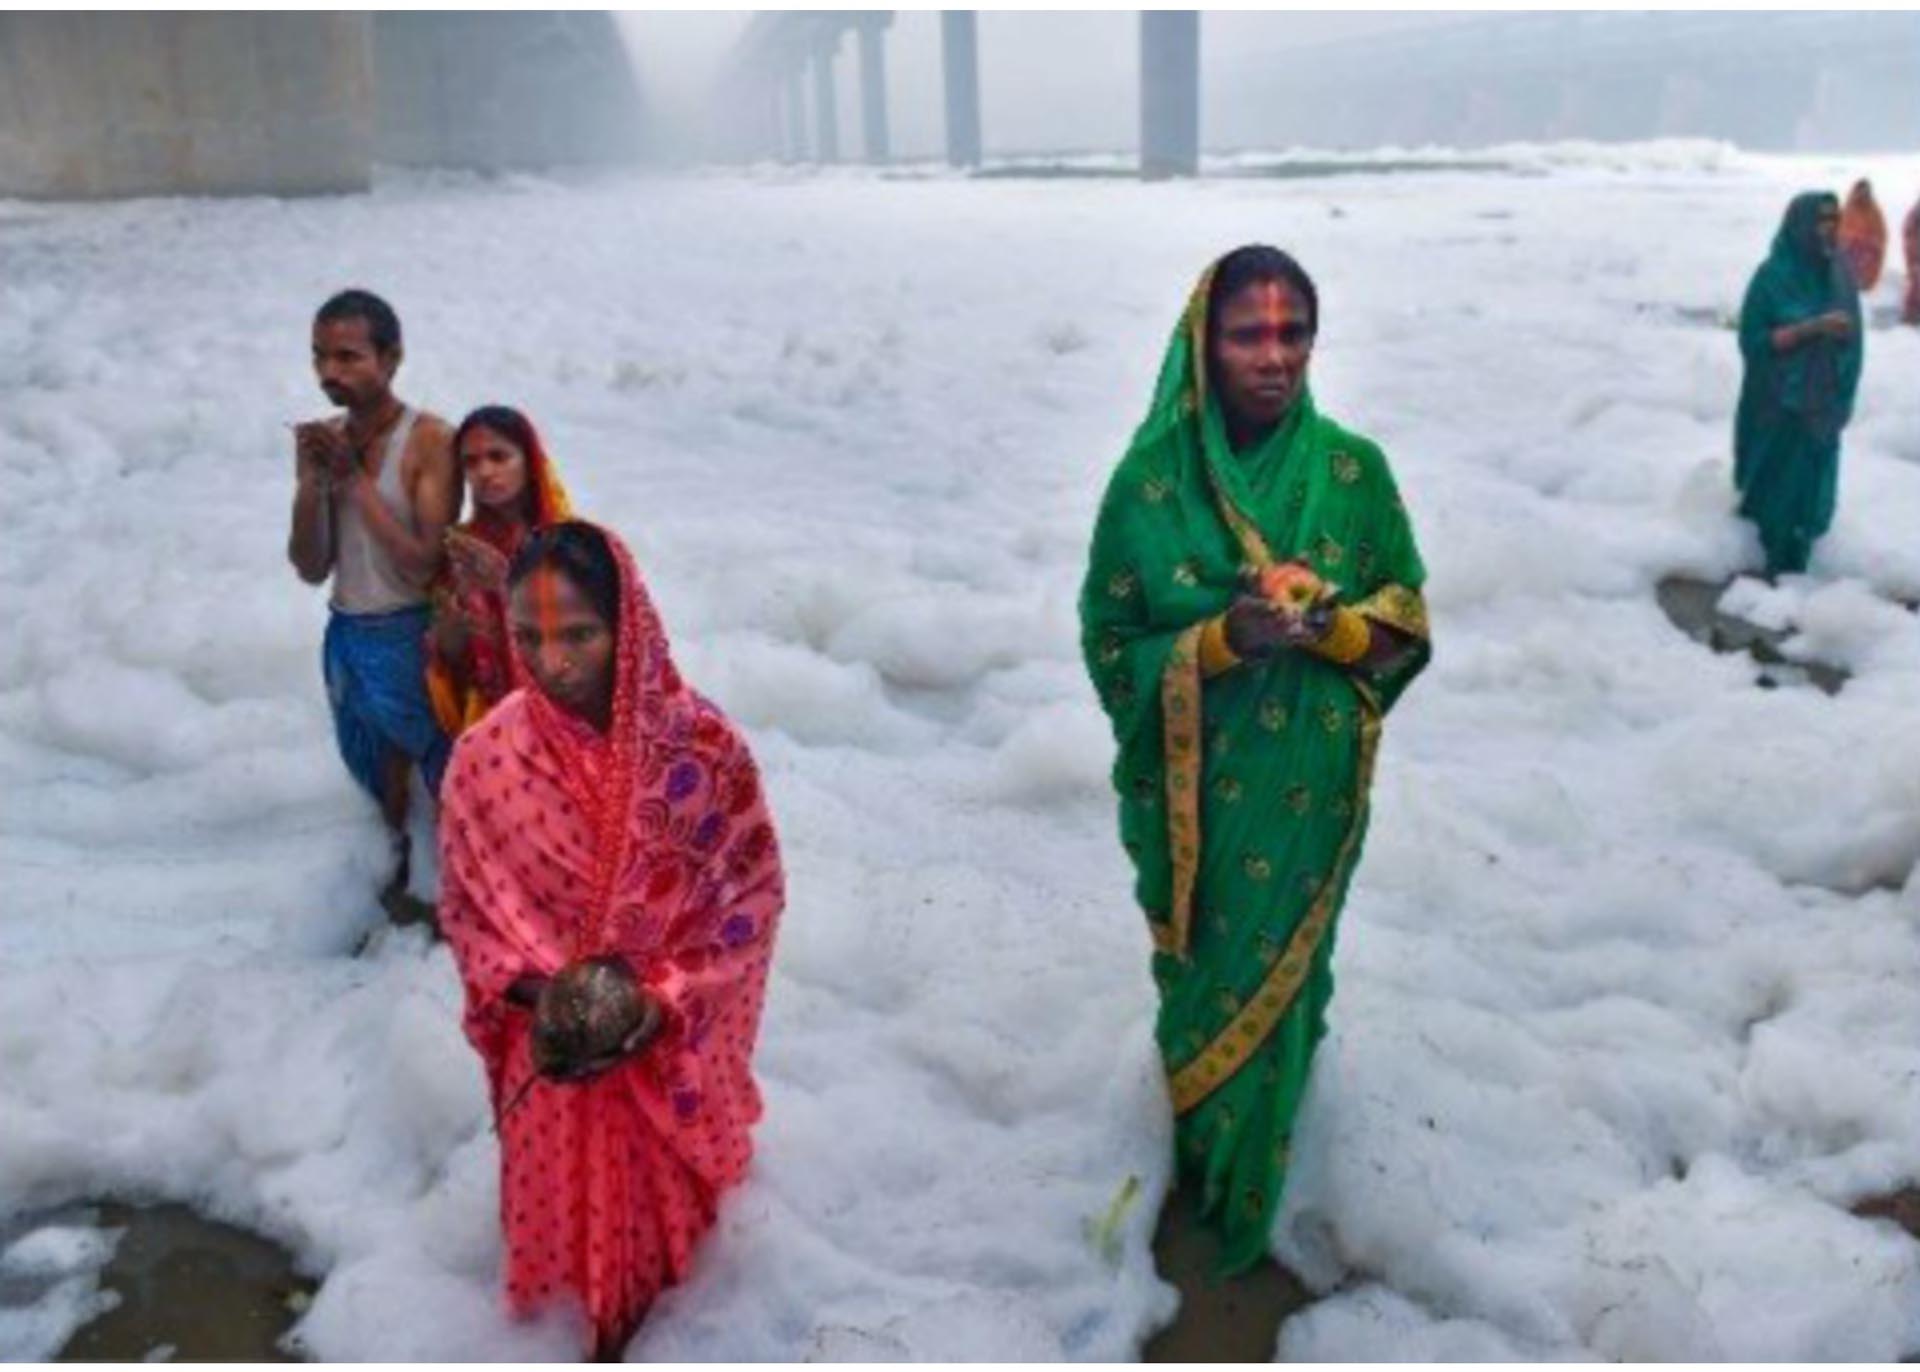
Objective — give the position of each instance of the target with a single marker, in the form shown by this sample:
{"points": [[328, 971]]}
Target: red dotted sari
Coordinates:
{"points": [[652, 841]]}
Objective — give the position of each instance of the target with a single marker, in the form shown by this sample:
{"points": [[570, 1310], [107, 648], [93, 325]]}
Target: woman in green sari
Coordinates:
{"points": [[1251, 611], [1800, 338]]}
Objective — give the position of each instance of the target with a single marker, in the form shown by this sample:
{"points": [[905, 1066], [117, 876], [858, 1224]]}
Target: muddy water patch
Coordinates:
{"points": [[145, 1283], [1693, 606], [1232, 1320]]}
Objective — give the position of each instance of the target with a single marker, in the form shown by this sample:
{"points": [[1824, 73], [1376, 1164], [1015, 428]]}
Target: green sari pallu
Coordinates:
{"points": [[1793, 405], [1243, 798]]}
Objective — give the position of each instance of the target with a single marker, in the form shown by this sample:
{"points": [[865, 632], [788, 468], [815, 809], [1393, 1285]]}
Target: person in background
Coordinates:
{"points": [[1801, 343], [1910, 243], [1863, 236]]}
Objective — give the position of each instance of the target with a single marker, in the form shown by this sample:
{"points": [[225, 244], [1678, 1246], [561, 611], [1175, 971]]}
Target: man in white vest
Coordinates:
{"points": [[375, 491]]}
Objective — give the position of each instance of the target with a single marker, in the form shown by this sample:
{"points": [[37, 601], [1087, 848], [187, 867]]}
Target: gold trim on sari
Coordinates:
{"points": [[1215, 1065], [1397, 607], [1180, 709]]}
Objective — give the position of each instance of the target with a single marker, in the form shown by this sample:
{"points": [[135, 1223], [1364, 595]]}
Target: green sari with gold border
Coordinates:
{"points": [[1244, 797]]}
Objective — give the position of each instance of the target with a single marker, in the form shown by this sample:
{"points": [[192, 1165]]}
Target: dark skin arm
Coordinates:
{"points": [[317, 461], [1256, 630], [475, 566], [450, 632], [1832, 324], [1384, 647]]}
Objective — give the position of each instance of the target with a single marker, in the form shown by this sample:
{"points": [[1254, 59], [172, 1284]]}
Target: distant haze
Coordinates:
{"points": [[1068, 81]]}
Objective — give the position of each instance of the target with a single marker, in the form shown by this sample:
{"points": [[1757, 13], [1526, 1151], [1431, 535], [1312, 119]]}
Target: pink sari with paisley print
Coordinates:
{"points": [[652, 841]]}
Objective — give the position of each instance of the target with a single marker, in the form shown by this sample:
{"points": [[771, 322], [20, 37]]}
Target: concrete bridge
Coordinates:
{"points": [[1772, 81], [777, 97], [166, 103]]}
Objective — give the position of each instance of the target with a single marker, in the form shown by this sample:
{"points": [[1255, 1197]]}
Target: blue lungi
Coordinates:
{"points": [[375, 667]]}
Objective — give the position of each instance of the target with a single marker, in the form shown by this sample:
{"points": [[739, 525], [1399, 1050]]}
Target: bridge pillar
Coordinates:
{"points": [[796, 141], [873, 91], [826, 103], [1169, 93], [960, 66]]}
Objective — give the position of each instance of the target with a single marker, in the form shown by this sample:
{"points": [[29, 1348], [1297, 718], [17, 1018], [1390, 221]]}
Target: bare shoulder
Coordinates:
{"points": [[429, 448], [432, 436]]}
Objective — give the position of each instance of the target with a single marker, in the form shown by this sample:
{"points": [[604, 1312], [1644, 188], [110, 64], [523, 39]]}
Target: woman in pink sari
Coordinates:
{"points": [[610, 888]]}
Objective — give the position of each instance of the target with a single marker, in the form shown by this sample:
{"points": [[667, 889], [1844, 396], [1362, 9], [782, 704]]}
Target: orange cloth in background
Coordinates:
{"points": [[1863, 237]]}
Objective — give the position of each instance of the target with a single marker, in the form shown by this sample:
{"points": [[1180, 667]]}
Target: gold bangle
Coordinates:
{"points": [[1347, 638], [1216, 649]]}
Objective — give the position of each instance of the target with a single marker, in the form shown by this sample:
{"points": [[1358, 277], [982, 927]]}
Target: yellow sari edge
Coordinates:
{"points": [[1180, 709], [1217, 1063], [1398, 607]]}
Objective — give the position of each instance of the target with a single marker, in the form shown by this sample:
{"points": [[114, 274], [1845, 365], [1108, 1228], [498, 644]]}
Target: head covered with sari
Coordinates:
{"points": [[1863, 236], [1243, 797], [545, 495], [1801, 279], [462, 686], [649, 841], [1795, 403]]}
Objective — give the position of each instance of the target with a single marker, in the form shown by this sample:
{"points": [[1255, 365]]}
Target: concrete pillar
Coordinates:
{"points": [[826, 103], [1169, 93], [796, 115], [501, 89], [960, 66], [873, 92], [155, 103]]}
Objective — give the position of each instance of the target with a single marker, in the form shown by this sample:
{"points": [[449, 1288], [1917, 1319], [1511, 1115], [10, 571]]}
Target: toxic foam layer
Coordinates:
{"points": [[1618, 1037]]}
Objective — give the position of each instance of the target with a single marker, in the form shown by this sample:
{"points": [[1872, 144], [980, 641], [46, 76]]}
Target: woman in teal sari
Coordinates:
{"points": [[1251, 611], [1800, 338]]}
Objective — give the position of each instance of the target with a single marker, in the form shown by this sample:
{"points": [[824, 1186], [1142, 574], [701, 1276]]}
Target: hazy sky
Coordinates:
{"points": [[1060, 81]]}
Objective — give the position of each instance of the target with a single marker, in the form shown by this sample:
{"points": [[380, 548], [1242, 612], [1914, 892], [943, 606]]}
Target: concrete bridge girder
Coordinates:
{"points": [[111, 104], [155, 103]]}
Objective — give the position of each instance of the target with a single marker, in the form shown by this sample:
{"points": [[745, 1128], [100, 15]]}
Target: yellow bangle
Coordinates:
{"points": [[1347, 638], [1216, 653]]}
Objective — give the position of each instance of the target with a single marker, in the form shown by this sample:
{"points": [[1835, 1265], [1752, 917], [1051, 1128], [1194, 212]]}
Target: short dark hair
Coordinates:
{"points": [[383, 325], [579, 552], [1260, 262]]}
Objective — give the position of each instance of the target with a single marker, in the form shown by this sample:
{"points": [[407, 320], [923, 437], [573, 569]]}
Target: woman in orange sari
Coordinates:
{"points": [[1863, 236], [611, 886], [515, 491]]}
